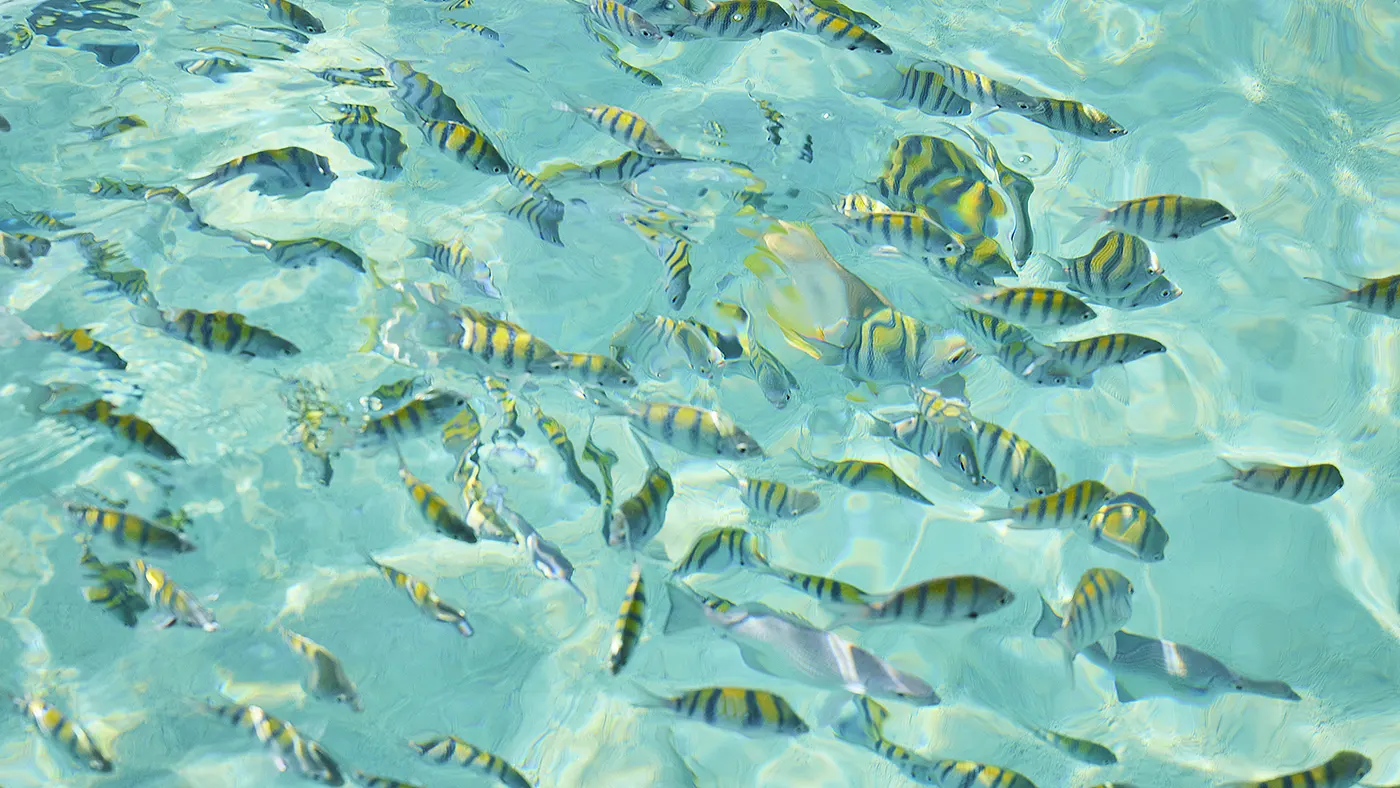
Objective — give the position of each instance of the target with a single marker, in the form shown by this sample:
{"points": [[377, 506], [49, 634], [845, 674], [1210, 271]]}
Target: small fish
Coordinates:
{"points": [[845, 12], [628, 630], [373, 77], [605, 459], [1342, 770], [421, 95], [396, 393], [1012, 463], [866, 729], [639, 74], [1102, 603], [412, 420], [435, 509], [128, 530], [57, 727], [327, 678], [1083, 357], [1155, 293], [718, 549], [662, 11], [542, 216], [1305, 484], [639, 518], [213, 68], [910, 233], [598, 370], [1127, 525], [979, 89], [1117, 265], [1077, 118], [370, 139], [674, 253], [304, 252], [80, 342], [424, 598], [221, 332], [559, 439], [510, 429], [892, 347], [1378, 296], [481, 30], [1078, 749], [445, 749], [626, 127], [112, 189], [282, 172], [1036, 306], [823, 589], [698, 431], [501, 344], [776, 499], [836, 30], [620, 18], [115, 590], [1164, 217], [467, 144], [531, 186], [179, 200], [456, 260], [729, 345], [939, 602], [546, 556], [992, 329], [865, 475], [928, 92], [289, 746], [129, 430], [735, 20], [179, 605], [1073, 505], [113, 127], [462, 433], [653, 341], [1144, 667], [749, 711], [966, 774], [289, 13]]}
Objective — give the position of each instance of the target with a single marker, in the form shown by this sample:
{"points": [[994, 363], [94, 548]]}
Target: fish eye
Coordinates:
{"points": [[950, 248], [1040, 491], [1167, 293], [736, 17]]}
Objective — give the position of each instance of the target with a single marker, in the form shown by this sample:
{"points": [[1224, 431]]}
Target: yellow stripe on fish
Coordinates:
{"points": [[1036, 306], [967, 774], [467, 144], [733, 708], [128, 530], [421, 94], [435, 509], [824, 589], [1127, 525], [619, 18], [1378, 296], [865, 475], [1161, 217], [980, 89], [462, 432], [942, 601], [510, 413], [57, 727], [1077, 118], [597, 370], [289, 13], [80, 342], [1343, 770], [1011, 462], [424, 598], [179, 604], [1073, 505], [224, 332], [628, 630], [837, 30], [559, 439], [131, 430], [1305, 484], [450, 749], [639, 518], [412, 420], [736, 20], [776, 499], [1117, 264], [542, 216], [928, 92], [367, 137], [626, 127], [327, 678], [1078, 749], [502, 344], [1102, 603], [718, 549]]}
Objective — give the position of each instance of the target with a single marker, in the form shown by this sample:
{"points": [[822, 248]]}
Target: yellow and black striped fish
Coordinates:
{"points": [[1118, 264], [327, 678], [637, 73], [918, 164], [1036, 306], [626, 127], [627, 167], [926, 91], [598, 370], [132, 431], [179, 605], [462, 433], [113, 189], [222, 332], [128, 530], [559, 439], [620, 18], [892, 347], [281, 172], [115, 590], [735, 20], [371, 139], [941, 601], [80, 342], [55, 726], [1073, 505], [1343, 770], [1305, 484], [1127, 525], [1011, 462], [639, 518], [993, 330], [911, 233], [290, 747], [653, 341], [718, 549], [1102, 603], [1082, 357], [865, 475], [289, 13], [776, 499], [113, 127], [450, 749], [628, 630], [421, 95], [1078, 749], [530, 185], [481, 30], [750, 711], [979, 89], [837, 30], [304, 252], [1162, 217], [467, 144], [414, 419], [396, 393], [824, 589], [510, 429], [178, 200], [674, 253], [605, 459], [698, 431], [424, 598], [1377, 296], [212, 68], [501, 344], [542, 216], [1077, 118], [435, 509], [455, 259], [966, 774], [373, 77]]}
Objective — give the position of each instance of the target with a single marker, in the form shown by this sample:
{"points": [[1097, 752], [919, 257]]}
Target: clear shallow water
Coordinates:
{"points": [[1284, 112]]}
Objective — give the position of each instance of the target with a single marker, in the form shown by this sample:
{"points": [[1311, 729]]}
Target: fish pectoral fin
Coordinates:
{"points": [[830, 710], [1110, 646]]}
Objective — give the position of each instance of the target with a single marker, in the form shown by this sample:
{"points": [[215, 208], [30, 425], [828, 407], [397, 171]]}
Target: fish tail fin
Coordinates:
{"points": [[421, 248], [993, 513], [1328, 293], [148, 316], [1089, 218], [1228, 472], [1049, 622], [686, 611]]}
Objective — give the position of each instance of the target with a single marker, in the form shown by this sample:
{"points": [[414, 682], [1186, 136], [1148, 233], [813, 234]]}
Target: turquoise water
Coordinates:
{"points": [[1285, 112]]}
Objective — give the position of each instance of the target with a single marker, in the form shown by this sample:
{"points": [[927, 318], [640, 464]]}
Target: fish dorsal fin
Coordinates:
{"points": [[1133, 499]]}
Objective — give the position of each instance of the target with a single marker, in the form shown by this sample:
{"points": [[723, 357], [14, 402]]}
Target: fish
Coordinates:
{"points": [[1078, 749], [910, 233], [213, 68], [421, 95], [542, 216], [1074, 505], [115, 590], [966, 774], [663, 11], [56, 726], [729, 345], [531, 186], [1155, 293], [1036, 306], [864, 475], [776, 499], [113, 127], [786, 647], [445, 749], [510, 429], [281, 172], [113, 189], [621, 18], [1077, 118], [979, 89], [674, 253], [304, 252], [434, 508], [626, 127], [866, 729], [1377, 296], [546, 556], [481, 30], [719, 549], [640, 74], [177, 199], [627, 167], [889, 346], [1117, 265], [627, 632], [359, 129], [179, 605], [221, 332], [992, 330], [822, 589], [927, 91], [129, 430], [836, 30], [80, 342], [128, 530], [465, 143], [462, 433], [749, 711], [1342, 770], [456, 260], [638, 519], [414, 419], [482, 515], [18, 250], [653, 340], [846, 12], [289, 13], [327, 678], [425, 598], [1011, 462], [396, 393], [1162, 217], [1305, 484], [937, 602], [1018, 189], [598, 370], [605, 459], [289, 746], [1102, 603], [735, 20], [1127, 525], [501, 344], [372, 77], [1082, 357], [559, 439], [699, 431]]}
